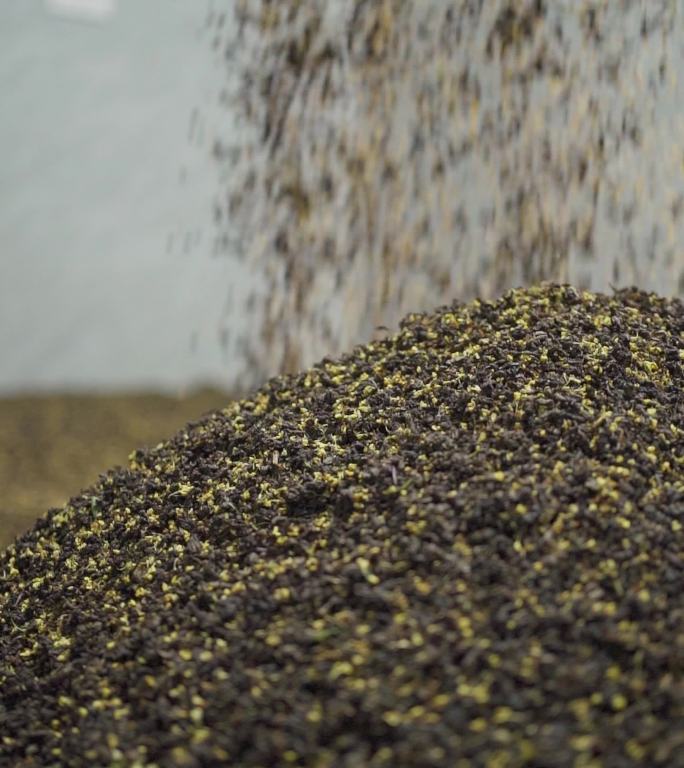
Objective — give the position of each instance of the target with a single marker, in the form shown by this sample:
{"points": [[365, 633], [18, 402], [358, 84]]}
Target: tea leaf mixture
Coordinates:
{"points": [[458, 546]]}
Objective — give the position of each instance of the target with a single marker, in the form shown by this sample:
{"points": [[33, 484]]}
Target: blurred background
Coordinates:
{"points": [[197, 196], [111, 306]]}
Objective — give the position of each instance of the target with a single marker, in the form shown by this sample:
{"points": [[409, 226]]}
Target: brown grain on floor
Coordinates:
{"points": [[53, 446]]}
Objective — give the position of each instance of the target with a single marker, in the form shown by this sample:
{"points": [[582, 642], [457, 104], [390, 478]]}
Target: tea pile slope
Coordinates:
{"points": [[461, 545]]}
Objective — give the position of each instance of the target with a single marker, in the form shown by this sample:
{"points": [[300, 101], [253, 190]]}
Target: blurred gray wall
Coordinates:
{"points": [[106, 277]]}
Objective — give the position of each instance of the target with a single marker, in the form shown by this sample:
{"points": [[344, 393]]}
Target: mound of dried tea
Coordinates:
{"points": [[458, 546]]}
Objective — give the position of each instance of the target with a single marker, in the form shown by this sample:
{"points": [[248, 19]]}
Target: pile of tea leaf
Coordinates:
{"points": [[459, 546]]}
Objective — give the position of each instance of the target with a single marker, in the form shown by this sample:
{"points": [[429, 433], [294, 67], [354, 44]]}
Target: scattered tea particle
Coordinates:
{"points": [[635, 750], [182, 756], [393, 719], [478, 725], [618, 702], [583, 743]]}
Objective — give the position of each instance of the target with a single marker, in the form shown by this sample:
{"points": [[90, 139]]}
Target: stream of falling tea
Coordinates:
{"points": [[393, 156]]}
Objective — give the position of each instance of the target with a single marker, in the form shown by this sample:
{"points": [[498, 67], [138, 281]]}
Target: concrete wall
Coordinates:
{"points": [[106, 186]]}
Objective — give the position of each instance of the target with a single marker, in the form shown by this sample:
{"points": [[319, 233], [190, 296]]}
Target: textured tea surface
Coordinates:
{"points": [[461, 545]]}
